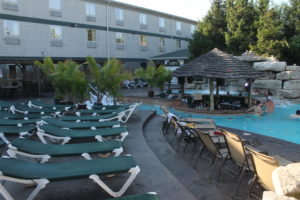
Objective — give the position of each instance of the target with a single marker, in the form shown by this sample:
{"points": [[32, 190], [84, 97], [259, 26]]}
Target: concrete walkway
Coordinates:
{"points": [[184, 173], [154, 175]]}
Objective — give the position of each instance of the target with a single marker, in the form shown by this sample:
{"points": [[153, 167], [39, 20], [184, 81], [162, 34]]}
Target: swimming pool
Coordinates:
{"points": [[277, 124]]}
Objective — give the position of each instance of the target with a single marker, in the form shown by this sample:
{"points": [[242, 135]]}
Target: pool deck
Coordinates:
{"points": [[165, 168]]}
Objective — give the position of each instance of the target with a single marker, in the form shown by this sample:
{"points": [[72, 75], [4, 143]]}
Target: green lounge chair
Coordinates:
{"points": [[37, 150], [81, 125], [65, 135], [41, 174], [15, 130], [40, 104], [17, 122], [8, 115], [127, 112], [5, 105], [147, 196], [19, 108], [101, 118], [101, 107], [98, 112]]}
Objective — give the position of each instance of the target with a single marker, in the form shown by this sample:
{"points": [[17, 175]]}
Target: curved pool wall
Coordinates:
{"points": [[277, 124]]}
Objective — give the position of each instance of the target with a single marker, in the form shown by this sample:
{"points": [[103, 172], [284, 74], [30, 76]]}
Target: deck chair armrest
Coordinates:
{"points": [[14, 152], [248, 146], [123, 136], [282, 161]]}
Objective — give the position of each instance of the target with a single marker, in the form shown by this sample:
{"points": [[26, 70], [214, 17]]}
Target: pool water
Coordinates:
{"points": [[277, 124]]}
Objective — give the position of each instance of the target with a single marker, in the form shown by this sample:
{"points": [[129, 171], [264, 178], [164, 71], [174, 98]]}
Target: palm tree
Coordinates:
{"points": [[153, 75], [108, 78], [68, 81]]}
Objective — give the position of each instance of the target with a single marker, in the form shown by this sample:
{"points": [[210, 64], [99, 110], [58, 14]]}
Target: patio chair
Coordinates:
{"points": [[37, 150], [237, 155], [101, 118], [64, 135], [263, 166], [202, 123], [147, 196], [81, 125], [40, 174], [41, 105], [211, 147], [15, 131], [17, 122]]}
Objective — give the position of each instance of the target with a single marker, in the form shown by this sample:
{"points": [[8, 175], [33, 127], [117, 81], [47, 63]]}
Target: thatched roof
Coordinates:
{"points": [[217, 64]]}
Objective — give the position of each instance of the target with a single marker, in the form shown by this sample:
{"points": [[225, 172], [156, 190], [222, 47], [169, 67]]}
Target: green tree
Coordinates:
{"points": [[155, 76], [161, 77], [214, 24], [240, 16], [291, 14], [108, 78], [199, 45], [68, 81], [211, 31], [270, 33]]}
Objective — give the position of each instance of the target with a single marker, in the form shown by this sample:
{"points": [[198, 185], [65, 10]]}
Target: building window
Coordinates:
{"points": [[193, 29], [178, 44], [178, 26], [11, 28], [55, 4], [90, 9], [56, 32], [162, 26], [91, 35], [119, 38], [120, 41], [143, 19], [119, 14], [143, 40], [161, 23]]}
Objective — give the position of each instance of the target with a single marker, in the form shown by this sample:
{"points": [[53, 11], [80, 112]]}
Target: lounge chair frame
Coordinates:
{"points": [[13, 152], [21, 134], [32, 105], [41, 183], [42, 134]]}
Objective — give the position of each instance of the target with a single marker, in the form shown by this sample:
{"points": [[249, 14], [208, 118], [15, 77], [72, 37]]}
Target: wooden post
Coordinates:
{"points": [[249, 92], [211, 92], [182, 88], [217, 94]]}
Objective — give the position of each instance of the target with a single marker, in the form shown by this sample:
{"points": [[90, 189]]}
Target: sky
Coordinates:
{"points": [[191, 9]]}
